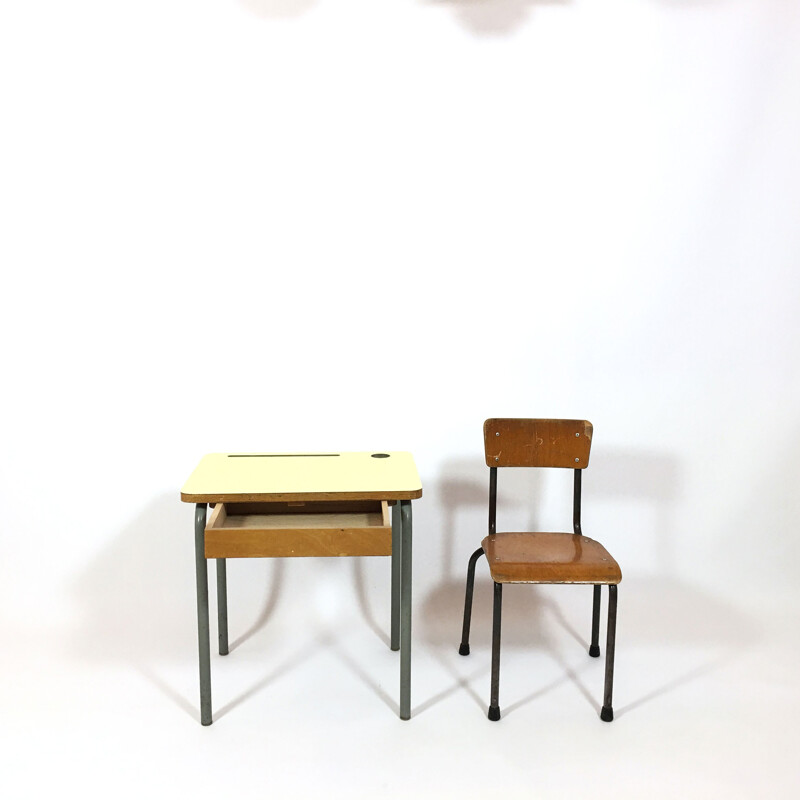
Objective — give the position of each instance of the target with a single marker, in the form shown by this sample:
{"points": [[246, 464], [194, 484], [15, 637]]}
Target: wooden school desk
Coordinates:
{"points": [[270, 505]]}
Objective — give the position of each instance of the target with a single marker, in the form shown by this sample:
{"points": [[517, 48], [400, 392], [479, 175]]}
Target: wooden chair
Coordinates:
{"points": [[543, 557]]}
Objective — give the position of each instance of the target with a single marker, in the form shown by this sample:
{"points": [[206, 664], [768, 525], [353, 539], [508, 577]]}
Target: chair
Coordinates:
{"points": [[543, 557]]}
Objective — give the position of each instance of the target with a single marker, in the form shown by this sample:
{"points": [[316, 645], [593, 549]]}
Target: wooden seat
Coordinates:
{"points": [[539, 557], [549, 558]]}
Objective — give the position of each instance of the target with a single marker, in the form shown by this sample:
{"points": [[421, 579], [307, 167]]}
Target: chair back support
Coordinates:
{"points": [[537, 443]]}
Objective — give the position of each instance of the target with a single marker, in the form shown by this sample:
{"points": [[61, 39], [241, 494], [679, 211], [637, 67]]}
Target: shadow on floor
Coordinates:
{"points": [[494, 17], [556, 620]]}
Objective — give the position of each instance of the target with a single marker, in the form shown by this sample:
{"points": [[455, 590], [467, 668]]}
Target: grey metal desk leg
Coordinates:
{"points": [[397, 548], [405, 611], [222, 606], [202, 612]]}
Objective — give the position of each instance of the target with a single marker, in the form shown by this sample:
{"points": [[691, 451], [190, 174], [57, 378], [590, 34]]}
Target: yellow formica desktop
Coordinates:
{"points": [[277, 505]]}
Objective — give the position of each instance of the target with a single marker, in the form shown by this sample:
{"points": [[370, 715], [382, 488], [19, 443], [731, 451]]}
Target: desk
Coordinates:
{"points": [[269, 505]]}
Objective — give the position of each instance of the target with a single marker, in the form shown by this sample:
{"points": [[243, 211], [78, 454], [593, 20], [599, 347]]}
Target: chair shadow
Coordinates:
{"points": [[538, 617], [460, 682], [464, 499], [618, 476]]}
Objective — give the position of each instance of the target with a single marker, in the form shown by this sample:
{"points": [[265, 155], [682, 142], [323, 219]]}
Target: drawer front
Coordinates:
{"points": [[281, 530]]}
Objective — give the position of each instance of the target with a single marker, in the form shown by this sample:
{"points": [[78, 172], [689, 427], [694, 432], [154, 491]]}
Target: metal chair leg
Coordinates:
{"points": [[594, 649], [607, 713], [494, 704], [464, 648]]}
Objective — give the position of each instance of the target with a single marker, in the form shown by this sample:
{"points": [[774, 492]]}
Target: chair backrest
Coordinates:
{"points": [[537, 443]]}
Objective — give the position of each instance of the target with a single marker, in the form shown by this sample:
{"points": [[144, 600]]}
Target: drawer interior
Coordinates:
{"points": [[329, 514], [281, 529]]}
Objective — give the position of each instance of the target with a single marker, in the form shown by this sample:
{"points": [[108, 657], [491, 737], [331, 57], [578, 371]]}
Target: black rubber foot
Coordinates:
{"points": [[607, 714], [594, 650], [494, 713], [463, 650]]}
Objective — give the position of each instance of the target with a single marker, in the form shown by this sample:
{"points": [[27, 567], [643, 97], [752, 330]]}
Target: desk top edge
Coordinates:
{"points": [[252, 497], [260, 477]]}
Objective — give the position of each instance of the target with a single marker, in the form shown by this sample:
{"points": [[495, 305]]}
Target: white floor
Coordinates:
{"points": [[105, 702]]}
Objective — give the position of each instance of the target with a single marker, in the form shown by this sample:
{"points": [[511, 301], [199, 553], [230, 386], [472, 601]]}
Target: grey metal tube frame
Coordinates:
{"points": [[405, 609], [397, 545], [400, 611], [204, 646], [222, 607]]}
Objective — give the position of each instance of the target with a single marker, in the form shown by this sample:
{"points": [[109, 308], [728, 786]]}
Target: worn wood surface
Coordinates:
{"points": [[522, 557], [537, 442], [272, 530]]}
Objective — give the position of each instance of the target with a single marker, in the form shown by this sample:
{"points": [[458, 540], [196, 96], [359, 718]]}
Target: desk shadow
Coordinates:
{"points": [[323, 640], [368, 680], [138, 603], [138, 599], [137, 594], [168, 691], [364, 602], [274, 587], [303, 654]]}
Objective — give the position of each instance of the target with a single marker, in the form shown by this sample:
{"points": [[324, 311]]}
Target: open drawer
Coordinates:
{"points": [[325, 528]]}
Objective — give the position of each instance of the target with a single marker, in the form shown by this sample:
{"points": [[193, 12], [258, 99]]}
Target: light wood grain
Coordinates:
{"points": [[537, 443]]}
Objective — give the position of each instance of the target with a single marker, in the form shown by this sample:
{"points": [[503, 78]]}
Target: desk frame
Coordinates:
{"points": [[400, 638]]}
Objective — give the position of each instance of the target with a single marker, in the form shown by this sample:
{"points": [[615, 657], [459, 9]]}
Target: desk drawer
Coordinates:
{"points": [[272, 530]]}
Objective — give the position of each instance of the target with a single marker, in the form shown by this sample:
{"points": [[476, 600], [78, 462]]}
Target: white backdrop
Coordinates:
{"points": [[332, 224]]}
